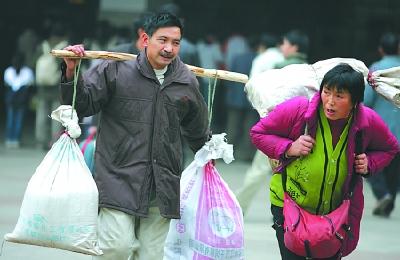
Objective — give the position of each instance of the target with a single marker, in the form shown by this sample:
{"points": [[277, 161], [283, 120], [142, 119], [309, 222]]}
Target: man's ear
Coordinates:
{"points": [[295, 48], [145, 39]]}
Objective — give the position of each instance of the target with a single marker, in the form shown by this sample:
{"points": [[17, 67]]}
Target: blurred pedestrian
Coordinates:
{"points": [[333, 118], [146, 106], [137, 43], [210, 57], [18, 78], [27, 43], [384, 186], [235, 45], [268, 54], [239, 112], [47, 80], [294, 48], [257, 174]]}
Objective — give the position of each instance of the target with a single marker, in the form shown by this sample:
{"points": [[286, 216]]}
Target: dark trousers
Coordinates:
{"points": [[387, 181], [286, 254], [14, 123]]}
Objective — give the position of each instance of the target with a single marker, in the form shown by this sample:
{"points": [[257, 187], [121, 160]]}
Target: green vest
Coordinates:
{"points": [[316, 181]]}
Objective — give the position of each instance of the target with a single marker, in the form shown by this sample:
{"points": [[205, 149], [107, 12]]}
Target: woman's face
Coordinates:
{"points": [[336, 104]]}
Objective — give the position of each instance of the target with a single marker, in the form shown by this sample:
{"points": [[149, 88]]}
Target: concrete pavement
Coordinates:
{"points": [[379, 237]]}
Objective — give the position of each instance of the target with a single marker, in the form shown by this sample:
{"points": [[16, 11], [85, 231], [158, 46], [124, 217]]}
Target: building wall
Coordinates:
{"points": [[121, 12]]}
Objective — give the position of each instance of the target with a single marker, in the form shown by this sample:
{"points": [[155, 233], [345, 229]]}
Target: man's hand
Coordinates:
{"points": [[72, 63], [361, 164], [302, 146]]}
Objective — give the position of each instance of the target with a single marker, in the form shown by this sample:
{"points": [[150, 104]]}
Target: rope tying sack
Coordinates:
{"points": [[210, 97], [66, 114]]}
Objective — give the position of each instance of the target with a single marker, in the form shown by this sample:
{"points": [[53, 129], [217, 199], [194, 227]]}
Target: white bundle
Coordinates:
{"points": [[387, 83], [60, 204], [272, 87], [69, 119]]}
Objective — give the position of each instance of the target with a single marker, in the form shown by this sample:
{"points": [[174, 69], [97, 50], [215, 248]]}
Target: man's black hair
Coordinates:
{"points": [[269, 40], [139, 23], [389, 43], [344, 77], [161, 20], [299, 38]]}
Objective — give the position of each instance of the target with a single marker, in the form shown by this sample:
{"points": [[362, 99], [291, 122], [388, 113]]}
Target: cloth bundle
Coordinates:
{"points": [[272, 87]]}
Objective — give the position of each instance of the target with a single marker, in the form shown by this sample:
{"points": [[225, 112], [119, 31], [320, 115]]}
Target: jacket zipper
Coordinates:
{"points": [[152, 160], [337, 172], [154, 120]]}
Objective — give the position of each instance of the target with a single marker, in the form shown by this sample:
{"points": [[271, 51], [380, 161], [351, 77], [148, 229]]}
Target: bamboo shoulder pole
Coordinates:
{"points": [[119, 56]]}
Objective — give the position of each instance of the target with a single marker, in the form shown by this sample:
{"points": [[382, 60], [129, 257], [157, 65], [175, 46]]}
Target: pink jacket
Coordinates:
{"points": [[274, 133]]}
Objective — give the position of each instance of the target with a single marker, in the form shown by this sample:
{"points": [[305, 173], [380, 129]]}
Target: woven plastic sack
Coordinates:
{"points": [[211, 224], [60, 205], [272, 87]]}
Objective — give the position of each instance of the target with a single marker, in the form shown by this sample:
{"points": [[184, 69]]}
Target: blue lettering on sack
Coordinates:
{"points": [[185, 193], [215, 253], [37, 227]]}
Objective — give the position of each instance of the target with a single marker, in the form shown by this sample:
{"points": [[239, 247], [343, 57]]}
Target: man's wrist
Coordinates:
{"points": [[69, 74], [66, 76]]}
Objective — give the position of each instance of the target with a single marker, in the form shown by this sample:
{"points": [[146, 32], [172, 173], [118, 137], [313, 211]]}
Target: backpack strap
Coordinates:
{"points": [[358, 150], [284, 174]]}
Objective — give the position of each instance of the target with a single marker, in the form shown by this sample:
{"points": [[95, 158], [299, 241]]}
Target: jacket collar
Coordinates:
{"points": [[177, 70]]}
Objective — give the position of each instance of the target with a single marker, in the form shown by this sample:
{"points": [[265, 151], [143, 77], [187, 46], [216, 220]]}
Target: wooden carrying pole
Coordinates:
{"points": [[208, 73]]}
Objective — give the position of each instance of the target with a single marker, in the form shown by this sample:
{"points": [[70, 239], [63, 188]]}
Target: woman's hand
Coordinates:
{"points": [[73, 62], [302, 146], [361, 164]]}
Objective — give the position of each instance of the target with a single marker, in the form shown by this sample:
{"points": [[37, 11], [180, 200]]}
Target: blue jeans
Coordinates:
{"points": [[15, 118]]}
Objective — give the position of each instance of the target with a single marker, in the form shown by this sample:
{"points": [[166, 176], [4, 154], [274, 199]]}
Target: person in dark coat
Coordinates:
{"points": [[146, 105]]}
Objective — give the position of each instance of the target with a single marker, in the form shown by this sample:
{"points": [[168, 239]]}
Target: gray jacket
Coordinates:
{"points": [[139, 145]]}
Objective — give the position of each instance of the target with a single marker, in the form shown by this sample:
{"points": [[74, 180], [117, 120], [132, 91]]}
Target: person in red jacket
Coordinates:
{"points": [[320, 162]]}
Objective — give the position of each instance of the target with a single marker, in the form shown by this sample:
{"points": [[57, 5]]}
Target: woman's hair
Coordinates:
{"points": [[344, 77]]}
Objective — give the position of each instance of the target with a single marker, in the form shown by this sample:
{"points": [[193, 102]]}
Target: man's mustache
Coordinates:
{"points": [[167, 54]]}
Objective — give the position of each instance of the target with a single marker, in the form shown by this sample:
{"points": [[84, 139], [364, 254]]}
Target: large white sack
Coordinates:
{"points": [[387, 83], [60, 205], [272, 87]]}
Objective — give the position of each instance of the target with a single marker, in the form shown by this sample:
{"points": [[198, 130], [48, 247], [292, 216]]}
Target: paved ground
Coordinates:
{"points": [[379, 237]]}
